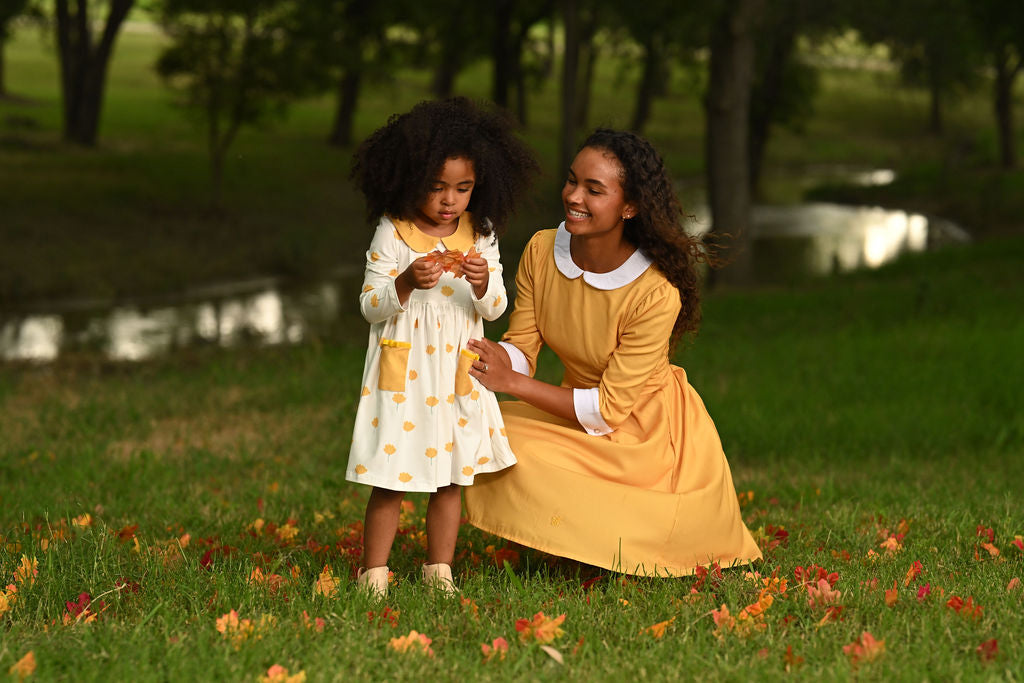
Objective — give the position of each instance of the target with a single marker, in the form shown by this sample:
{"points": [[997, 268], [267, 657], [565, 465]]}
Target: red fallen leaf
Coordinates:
{"points": [[912, 573], [590, 582], [126, 585], [923, 592], [712, 576], [76, 608], [579, 644], [813, 573], [892, 594], [987, 533], [506, 554], [988, 650], [127, 533], [791, 659], [1018, 543], [968, 609]]}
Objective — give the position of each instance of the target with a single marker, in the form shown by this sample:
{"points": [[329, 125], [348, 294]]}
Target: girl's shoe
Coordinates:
{"points": [[439, 577], [373, 580]]}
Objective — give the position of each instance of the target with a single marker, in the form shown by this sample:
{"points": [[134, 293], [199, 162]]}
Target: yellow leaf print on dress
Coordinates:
{"points": [[389, 449], [430, 349], [374, 301], [367, 288], [503, 432], [474, 394], [374, 256], [451, 398], [408, 426], [497, 302], [365, 391], [398, 398], [432, 401], [374, 422], [467, 470], [393, 273], [449, 348], [490, 431], [360, 469], [447, 291], [431, 453], [449, 446], [463, 422], [483, 461], [404, 477], [412, 374]]}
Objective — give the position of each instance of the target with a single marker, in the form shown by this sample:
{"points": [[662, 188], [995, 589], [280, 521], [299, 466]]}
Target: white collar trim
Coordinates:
{"points": [[634, 267]]}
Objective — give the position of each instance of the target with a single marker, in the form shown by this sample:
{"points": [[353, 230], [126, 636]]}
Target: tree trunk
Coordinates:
{"points": [[83, 66], [586, 78], [444, 76], [727, 111], [3, 70], [769, 92], [1005, 76], [570, 69], [344, 117], [502, 52], [650, 84]]}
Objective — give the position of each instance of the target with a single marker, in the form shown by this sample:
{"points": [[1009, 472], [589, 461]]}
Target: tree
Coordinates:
{"points": [[1001, 27], [513, 20], [83, 64], [237, 63], [933, 41], [727, 110], [9, 10], [347, 46]]}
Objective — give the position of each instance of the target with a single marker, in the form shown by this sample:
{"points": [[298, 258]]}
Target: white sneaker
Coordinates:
{"points": [[439, 577], [373, 580]]}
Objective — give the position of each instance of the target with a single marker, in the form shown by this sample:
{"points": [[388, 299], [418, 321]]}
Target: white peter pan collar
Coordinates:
{"points": [[633, 268]]}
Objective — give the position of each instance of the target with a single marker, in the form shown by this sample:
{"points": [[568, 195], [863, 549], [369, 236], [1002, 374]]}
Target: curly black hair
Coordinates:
{"points": [[397, 165], [657, 228]]}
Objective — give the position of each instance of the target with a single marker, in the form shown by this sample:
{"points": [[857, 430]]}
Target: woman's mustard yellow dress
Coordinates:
{"points": [[644, 486]]}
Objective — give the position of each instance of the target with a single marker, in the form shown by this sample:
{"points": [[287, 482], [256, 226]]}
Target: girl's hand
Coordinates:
{"points": [[477, 274], [494, 369], [423, 273]]}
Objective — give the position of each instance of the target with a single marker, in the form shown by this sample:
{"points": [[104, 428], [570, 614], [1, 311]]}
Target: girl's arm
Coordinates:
{"points": [[484, 275], [385, 290]]}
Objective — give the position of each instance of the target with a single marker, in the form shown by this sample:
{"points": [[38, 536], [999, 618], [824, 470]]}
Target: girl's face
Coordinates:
{"points": [[594, 200], [447, 199]]}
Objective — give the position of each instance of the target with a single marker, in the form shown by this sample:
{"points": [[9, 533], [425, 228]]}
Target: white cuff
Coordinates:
{"points": [[586, 403], [518, 358]]}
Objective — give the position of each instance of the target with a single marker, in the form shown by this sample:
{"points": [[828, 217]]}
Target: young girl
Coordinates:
{"points": [[439, 182]]}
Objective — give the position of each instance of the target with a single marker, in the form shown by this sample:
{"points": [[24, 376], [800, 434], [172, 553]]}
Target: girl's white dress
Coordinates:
{"points": [[423, 422]]}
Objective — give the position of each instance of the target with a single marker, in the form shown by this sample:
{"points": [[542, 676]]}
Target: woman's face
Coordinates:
{"points": [[594, 199], [448, 198]]}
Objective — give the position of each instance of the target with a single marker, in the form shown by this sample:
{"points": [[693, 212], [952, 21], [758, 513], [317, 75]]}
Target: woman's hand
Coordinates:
{"points": [[477, 274], [494, 369]]}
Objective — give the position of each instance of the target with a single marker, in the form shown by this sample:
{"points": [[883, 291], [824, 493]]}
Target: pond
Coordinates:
{"points": [[790, 243]]}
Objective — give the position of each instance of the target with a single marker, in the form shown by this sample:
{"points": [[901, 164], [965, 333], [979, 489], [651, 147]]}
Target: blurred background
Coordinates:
{"points": [[174, 173]]}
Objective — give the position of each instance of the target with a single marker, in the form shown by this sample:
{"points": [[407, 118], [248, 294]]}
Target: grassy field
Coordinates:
{"points": [[873, 422], [131, 218]]}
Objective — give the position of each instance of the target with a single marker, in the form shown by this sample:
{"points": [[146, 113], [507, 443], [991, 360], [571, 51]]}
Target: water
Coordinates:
{"points": [[789, 242]]}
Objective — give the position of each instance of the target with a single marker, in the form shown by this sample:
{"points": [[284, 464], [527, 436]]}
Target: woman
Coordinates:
{"points": [[620, 466]]}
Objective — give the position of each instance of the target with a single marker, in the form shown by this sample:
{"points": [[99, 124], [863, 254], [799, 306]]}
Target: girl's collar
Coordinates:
{"points": [[461, 240], [634, 267]]}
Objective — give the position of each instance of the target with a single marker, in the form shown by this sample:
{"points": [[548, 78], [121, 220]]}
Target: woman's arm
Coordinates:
{"points": [[494, 371]]}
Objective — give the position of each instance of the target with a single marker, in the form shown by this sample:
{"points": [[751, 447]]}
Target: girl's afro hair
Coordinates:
{"points": [[396, 166]]}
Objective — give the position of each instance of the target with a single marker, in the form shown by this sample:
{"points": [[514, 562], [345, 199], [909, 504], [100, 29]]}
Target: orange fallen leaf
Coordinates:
{"points": [[864, 649]]}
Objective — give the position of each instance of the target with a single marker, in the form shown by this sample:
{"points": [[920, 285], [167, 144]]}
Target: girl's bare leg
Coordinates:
{"points": [[443, 513], [382, 511]]}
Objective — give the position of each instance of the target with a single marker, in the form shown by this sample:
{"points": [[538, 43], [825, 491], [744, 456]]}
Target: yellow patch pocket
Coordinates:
{"points": [[394, 358], [463, 382]]}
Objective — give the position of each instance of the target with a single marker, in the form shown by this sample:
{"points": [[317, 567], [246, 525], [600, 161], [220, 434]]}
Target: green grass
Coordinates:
{"points": [[131, 219], [848, 407]]}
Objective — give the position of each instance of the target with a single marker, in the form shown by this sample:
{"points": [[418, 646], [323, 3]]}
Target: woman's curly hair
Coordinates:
{"points": [[657, 228], [396, 166]]}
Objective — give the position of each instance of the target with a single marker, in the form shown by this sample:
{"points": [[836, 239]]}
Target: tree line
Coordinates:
{"points": [[237, 61]]}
